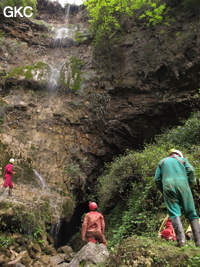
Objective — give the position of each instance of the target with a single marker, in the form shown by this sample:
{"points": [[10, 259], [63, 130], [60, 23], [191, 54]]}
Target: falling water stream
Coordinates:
{"points": [[63, 35], [60, 229], [53, 81], [56, 212], [40, 178]]}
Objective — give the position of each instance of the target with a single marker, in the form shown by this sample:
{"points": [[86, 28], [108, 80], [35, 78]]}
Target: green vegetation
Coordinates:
{"points": [[39, 72], [25, 219], [76, 73], [74, 171], [108, 18], [71, 73], [142, 251], [127, 189], [6, 241]]}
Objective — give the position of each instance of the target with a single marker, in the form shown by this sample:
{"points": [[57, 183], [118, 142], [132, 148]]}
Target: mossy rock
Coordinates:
{"points": [[39, 72], [71, 74]]}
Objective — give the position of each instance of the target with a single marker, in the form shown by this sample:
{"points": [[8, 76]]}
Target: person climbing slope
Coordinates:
{"points": [[8, 172], [93, 226], [173, 178]]}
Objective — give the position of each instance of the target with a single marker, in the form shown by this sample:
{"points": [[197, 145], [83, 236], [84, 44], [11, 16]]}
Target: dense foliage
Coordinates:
{"points": [[109, 16], [127, 189]]}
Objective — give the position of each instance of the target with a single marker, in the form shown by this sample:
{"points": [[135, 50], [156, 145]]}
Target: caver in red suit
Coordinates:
{"points": [[8, 172], [168, 233], [8, 176], [93, 226]]}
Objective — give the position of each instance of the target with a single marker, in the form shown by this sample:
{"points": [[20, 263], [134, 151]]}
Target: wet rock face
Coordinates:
{"points": [[124, 94], [49, 9]]}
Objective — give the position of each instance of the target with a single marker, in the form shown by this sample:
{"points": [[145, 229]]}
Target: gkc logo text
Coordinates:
{"points": [[13, 12]]}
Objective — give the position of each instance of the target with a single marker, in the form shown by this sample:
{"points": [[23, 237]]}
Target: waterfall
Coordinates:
{"points": [[64, 35], [67, 13], [53, 81], [40, 178]]}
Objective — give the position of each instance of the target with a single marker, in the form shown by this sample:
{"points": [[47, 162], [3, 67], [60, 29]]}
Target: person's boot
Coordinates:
{"points": [[10, 192], [178, 228], [196, 231], [2, 191]]}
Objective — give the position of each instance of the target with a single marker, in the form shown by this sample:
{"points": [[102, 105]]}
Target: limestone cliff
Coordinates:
{"points": [[101, 102]]}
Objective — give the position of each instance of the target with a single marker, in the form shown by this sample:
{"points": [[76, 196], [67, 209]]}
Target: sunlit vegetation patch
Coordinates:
{"points": [[109, 18]]}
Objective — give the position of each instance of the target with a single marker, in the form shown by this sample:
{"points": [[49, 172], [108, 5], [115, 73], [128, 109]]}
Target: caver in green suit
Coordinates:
{"points": [[173, 177]]}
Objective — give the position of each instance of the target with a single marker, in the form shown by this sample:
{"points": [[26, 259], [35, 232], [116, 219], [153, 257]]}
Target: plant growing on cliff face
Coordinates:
{"points": [[109, 16], [6, 241], [38, 234], [40, 72], [78, 178], [155, 13], [71, 73], [99, 104], [76, 73]]}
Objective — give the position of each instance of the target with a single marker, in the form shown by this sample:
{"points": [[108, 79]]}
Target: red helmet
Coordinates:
{"points": [[92, 206]]}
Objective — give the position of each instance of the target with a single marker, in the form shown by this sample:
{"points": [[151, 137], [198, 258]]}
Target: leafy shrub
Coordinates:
{"points": [[184, 136], [6, 241], [127, 186], [108, 17]]}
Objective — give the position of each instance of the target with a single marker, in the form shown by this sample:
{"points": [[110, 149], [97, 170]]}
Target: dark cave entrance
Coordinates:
{"points": [[63, 231]]}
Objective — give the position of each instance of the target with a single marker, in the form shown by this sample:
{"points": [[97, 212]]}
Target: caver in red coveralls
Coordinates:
{"points": [[168, 233], [8, 172], [8, 176], [93, 226]]}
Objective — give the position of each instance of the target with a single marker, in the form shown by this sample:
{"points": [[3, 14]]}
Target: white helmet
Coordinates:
{"points": [[12, 160], [176, 151]]}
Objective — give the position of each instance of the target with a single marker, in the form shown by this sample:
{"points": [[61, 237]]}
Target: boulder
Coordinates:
{"points": [[57, 259], [45, 259], [23, 258], [65, 249], [35, 246], [3, 259], [90, 253]]}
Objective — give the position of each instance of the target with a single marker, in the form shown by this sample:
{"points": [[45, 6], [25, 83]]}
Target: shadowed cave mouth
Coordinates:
{"points": [[63, 231]]}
